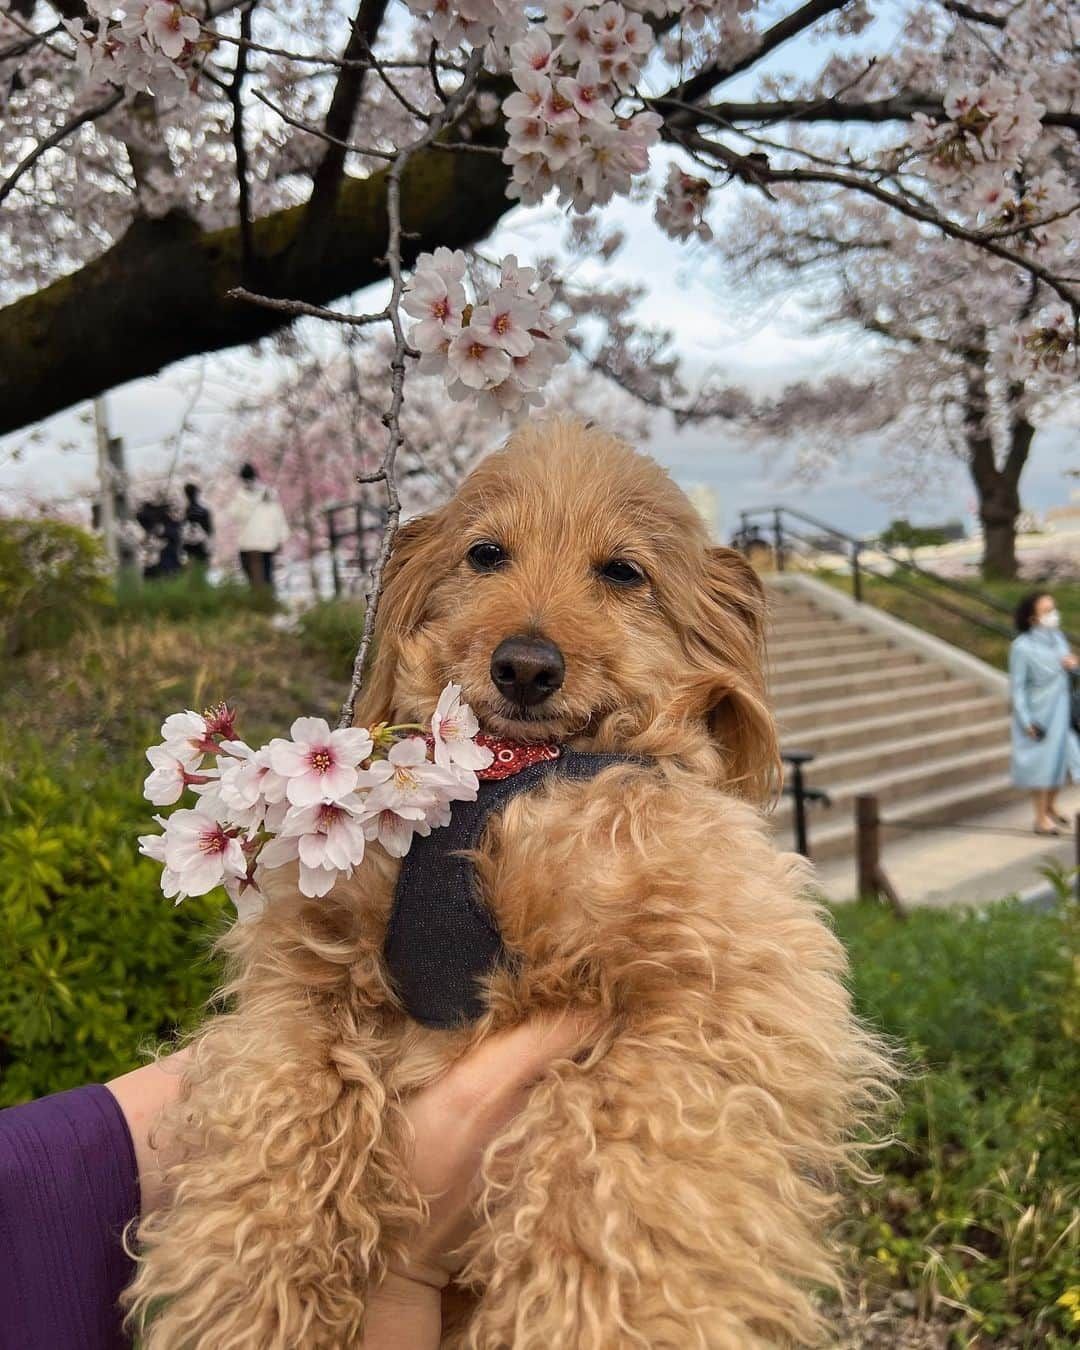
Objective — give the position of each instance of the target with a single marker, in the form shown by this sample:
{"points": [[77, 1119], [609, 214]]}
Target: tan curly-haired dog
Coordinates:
{"points": [[670, 1189]]}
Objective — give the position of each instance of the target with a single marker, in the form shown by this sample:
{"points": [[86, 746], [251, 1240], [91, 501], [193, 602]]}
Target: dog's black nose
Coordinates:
{"points": [[527, 670]]}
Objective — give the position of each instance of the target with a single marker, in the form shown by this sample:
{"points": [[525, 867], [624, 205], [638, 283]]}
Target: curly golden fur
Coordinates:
{"points": [[671, 1188]]}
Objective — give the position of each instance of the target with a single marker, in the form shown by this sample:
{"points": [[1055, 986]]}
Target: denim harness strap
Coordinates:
{"points": [[441, 939]]}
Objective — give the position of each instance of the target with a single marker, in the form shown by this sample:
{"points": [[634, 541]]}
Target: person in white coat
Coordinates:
{"points": [[262, 528]]}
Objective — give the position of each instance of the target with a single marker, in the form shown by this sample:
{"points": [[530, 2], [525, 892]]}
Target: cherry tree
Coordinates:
{"points": [[958, 360], [179, 178]]}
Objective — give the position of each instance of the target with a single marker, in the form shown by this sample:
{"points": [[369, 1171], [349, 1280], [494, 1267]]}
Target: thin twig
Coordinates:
{"points": [[758, 172], [323, 58], [299, 307], [391, 419], [313, 130], [60, 134]]}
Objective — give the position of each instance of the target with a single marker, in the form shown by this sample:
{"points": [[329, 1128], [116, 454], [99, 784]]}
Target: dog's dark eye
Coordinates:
{"points": [[486, 556], [621, 572]]}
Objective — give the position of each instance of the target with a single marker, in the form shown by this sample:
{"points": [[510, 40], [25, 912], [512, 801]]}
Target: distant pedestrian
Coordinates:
{"points": [[160, 550], [1045, 748], [262, 527], [198, 527]]}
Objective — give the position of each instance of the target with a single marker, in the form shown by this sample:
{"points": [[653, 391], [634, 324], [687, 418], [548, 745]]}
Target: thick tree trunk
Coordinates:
{"points": [[998, 489], [160, 293], [999, 538]]}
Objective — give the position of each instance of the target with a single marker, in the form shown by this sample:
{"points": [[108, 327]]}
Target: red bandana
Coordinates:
{"points": [[513, 756]]}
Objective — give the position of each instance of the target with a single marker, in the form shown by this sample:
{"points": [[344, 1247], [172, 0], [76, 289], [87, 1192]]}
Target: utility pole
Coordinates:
{"points": [[114, 510], [106, 512]]}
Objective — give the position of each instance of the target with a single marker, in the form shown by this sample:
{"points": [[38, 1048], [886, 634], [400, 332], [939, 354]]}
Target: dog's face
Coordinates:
{"points": [[570, 590]]}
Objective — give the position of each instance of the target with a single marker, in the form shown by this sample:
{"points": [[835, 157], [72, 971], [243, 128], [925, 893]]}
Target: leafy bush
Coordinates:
{"points": [[977, 1209], [188, 595], [53, 578], [331, 631], [97, 964]]}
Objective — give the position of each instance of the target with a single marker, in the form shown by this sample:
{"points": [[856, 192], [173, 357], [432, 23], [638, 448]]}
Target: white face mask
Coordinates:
{"points": [[1052, 619]]}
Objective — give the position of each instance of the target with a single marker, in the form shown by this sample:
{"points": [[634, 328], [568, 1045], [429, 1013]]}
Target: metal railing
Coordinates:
{"points": [[784, 533]]}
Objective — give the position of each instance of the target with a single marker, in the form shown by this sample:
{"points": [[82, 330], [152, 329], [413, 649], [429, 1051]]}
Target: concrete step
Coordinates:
{"points": [[880, 755], [905, 786], [833, 835], [832, 737], [839, 644], [817, 629], [933, 691], [905, 670], [827, 662]]}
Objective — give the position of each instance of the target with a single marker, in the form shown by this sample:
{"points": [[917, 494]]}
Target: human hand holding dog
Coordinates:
{"points": [[453, 1121]]}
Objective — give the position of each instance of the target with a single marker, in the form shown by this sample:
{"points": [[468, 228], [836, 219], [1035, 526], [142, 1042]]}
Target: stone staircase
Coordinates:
{"points": [[885, 710]]}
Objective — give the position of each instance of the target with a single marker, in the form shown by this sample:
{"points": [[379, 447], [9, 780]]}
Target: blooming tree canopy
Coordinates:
{"points": [[181, 178], [156, 156], [964, 359]]}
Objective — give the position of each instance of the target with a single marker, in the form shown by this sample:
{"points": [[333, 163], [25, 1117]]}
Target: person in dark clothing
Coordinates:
{"points": [[198, 527], [161, 545]]}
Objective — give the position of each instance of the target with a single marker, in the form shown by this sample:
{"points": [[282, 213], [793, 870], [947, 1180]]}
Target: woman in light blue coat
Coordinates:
{"points": [[1045, 749]]}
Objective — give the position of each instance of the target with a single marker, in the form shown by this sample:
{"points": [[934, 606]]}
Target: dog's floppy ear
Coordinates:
{"points": [[412, 567], [727, 643]]}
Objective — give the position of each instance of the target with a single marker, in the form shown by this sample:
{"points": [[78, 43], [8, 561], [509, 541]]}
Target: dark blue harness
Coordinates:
{"points": [[441, 939]]}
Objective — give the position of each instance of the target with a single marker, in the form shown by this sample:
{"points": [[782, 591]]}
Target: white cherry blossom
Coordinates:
{"points": [[200, 852], [319, 764], [453, 729]]}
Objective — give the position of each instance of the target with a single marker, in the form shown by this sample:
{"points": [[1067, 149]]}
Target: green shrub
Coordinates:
{"points": [[189, 594], [977, 1209], [53, 578], [330, 630], [97, 964]]}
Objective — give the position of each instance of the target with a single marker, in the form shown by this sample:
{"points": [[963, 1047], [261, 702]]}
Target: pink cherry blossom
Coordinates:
{"points": [[438, 304], [170, 776], [394, 830], [201, 852], [319, 765], [585, 92], [169, 28], [504, 321], [476, 363], [453, 727], [186, 736], [328, 839]]}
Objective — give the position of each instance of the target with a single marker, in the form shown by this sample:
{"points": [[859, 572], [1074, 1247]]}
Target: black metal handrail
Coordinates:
{"points": [[782, 530]]}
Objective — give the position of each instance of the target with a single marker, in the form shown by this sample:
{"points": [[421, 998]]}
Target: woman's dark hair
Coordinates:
{"points": [[1025, 611]]}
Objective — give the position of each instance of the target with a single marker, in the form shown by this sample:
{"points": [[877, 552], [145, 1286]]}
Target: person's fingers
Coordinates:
{"points": [[505, 1064]]}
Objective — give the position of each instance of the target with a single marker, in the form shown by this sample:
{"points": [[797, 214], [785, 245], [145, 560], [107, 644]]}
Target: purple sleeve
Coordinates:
{"points": [[68, 1186]]}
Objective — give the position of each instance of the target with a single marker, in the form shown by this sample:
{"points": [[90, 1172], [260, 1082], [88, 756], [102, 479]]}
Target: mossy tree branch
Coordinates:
{"points": [[159, 294]]}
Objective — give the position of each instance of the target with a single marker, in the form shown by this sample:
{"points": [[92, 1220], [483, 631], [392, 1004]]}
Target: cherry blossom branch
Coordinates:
{"points": [[298, 308], [324, 58], [32, 39], [899, 108], [756, 171], [706, 80], [313, 130], [392, 417], [60, 134]]}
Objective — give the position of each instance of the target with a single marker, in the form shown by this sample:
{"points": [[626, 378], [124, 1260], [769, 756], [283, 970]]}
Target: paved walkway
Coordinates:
{"points": [[968, 863]]}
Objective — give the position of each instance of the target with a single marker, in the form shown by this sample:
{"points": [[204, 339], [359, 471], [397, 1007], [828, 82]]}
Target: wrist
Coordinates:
{"points": [[403, 1311]]}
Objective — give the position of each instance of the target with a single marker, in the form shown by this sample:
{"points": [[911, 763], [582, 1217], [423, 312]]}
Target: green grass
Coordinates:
{"points": [[925, 609], [974, 1221], [330, 630], [188, 595], [976, 1213]]}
